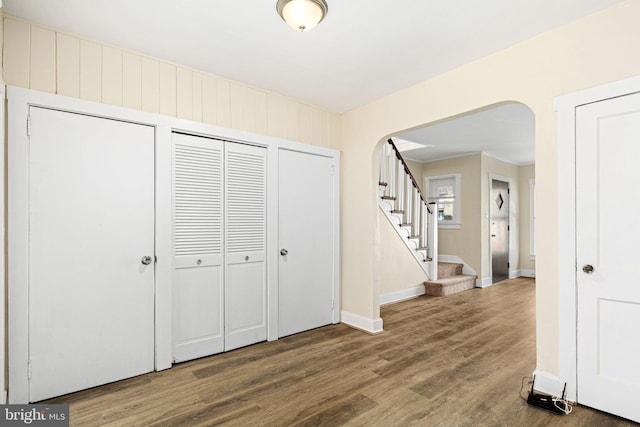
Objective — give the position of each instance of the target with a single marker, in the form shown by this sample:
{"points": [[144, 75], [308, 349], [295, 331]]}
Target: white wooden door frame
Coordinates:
{"points": [[565, 107], [19, 100]]}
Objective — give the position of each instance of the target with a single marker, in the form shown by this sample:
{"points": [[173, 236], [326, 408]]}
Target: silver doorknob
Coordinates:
{"points": [[588, 268], [283, 252], [146, 260]]}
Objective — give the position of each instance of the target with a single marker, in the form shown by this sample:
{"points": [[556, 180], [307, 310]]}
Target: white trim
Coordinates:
{"points": [[455, 156], [405, 294], [19, 100], [372, 326], [484, 282], [566, 106], [532, 219], [514, 273], [527, 273], [548, 383], [3, 329]]}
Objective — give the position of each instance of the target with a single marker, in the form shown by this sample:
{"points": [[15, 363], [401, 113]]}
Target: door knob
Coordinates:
{"points": [[146, 260], [588, 268], [283, 252]]}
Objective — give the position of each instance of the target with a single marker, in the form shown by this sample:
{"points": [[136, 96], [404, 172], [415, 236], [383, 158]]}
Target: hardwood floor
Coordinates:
{"points": [[448, 361]]}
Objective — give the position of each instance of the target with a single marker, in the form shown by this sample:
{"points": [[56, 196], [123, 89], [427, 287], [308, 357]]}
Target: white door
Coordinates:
{"points": [[91, 222], [607, 250], [306, 240], [198, 304], [245, 291]]}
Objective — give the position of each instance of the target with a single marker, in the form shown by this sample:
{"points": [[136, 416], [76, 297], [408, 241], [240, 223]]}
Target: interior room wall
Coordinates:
{"points": [[48, 60], [465, 241], [594, 50]]}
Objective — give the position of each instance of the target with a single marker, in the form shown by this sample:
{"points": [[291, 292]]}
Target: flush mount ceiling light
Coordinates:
{"points": [[302, 15]]}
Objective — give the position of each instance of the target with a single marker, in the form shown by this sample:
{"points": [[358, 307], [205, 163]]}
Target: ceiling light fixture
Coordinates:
{"points": [[302, 15]]}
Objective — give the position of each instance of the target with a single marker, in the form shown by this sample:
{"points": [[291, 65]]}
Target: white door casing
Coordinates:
{"points": [[306, 240], [91, 220], [608, 309], [198, 294]]}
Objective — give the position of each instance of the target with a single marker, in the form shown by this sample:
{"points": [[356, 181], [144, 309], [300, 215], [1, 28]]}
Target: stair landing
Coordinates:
{"points": [[450, 280]]}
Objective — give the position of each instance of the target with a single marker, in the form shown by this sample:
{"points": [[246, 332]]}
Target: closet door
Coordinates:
{"points": [[245, 267], [198, 326]]}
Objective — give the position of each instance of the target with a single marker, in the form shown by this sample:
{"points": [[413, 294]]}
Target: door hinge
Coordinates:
{"points": [[29, 369], [29, 125], [508, 265], [508, 228], [332, 304], [333, 170]]}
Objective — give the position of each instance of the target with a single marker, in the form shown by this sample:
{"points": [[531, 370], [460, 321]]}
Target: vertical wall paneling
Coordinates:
{"points": [[43, 60], [334, 130], [111, 75], [150, 85], [248, 109], [197, 97], [198, 317], [306, 124], [184, 94], [282, 117], [68, 65], [131, 81], [209, 99], [168, 89], [90, 71], [223, 109], [319, 127], [17, 38]]}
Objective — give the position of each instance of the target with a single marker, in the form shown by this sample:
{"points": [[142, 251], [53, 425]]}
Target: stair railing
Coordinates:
{"points": [[409, 202]]}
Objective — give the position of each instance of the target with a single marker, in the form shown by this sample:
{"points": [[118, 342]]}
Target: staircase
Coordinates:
{"points": [[450, 280], [403, 203]]}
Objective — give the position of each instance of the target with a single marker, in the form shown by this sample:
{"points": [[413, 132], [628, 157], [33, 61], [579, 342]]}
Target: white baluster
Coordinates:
{"points": [[409, 204], [391, 172], [382, 176], [423, 225], [400, 185], [416, 212], [432, 242]]}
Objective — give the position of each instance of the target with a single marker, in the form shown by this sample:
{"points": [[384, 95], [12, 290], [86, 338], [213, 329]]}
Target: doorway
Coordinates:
{"points": [[499, 229]]}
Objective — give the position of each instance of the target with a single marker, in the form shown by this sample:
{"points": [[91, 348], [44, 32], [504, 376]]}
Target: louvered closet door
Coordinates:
{"points": [[198, 316], [245, 271]]}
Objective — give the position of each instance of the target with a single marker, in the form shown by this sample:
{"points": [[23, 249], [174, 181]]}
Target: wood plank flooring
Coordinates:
{"points": [[448, 361]]}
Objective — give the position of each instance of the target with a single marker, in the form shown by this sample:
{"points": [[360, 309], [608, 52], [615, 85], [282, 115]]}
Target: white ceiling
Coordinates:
{"points": [[505, 132], [363, 50]]}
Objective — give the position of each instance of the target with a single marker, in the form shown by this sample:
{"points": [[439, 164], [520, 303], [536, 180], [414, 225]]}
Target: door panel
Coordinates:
{"points": [[305, 221], [245, 245], [91, 220], [198, 295], [607, 194], [499, 230]]}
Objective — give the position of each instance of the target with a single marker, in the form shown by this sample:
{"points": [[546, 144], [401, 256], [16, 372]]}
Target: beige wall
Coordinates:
{"points": [[52, 61], [466, 241], [598, 49], [526, 173]]}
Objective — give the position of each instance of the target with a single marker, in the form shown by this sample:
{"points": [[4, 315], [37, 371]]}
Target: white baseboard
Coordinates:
{"points": [[372, 326], [527, 273], [483, 283], [548, 383], [514, 273], [402, 295]]}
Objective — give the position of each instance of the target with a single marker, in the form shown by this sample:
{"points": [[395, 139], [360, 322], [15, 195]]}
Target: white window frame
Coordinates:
{"points": [[456, 222], [532, 219]]}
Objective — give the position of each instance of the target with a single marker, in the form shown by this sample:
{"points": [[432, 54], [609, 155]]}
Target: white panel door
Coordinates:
{"points": [[198, 304], [607, 250], [245, 243], [91, 222], [306, 240]]}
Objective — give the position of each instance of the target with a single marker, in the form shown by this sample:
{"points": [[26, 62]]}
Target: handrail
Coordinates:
{"points": [[408, 172]]}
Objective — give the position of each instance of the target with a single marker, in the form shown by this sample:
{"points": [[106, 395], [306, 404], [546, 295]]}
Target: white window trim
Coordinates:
{"points": [[456, 222], [532, 219]]}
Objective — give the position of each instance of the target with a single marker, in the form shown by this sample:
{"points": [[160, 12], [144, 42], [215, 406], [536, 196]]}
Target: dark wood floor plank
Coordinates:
{"points": [[448, 361]]}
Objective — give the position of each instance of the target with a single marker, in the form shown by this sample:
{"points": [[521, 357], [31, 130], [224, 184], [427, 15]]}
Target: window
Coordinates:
{"points": [[444, 190]]}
